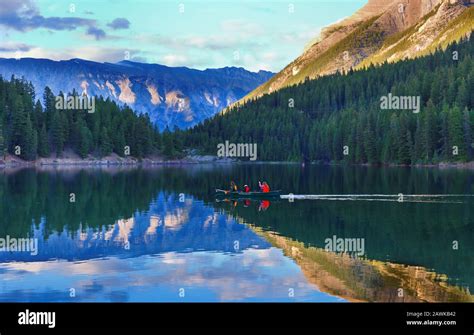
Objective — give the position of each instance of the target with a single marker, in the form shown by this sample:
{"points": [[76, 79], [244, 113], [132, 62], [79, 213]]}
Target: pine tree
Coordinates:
{"points": [[119, 142], [85, 141], [467, 134], [105, 143], [418, 143], [29, 150], [18, 128], [445, 149], [337, 144], [369, 143], [463, 95], [43, 144], [360, 140], [49, 100], [57, 133], [430, 132], [2, 143], [168, 144], [37, 116], [456, 135], [404, 141]]}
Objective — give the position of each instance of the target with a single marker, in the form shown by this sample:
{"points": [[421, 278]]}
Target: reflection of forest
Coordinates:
{"points": [[29, 197], [367, 280]]}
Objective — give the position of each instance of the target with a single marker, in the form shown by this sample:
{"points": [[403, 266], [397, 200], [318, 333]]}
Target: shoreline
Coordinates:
{"points": [[12, 162], [116, 161]]}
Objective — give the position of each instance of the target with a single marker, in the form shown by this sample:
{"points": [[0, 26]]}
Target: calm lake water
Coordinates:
{"points": [[157, 234]]}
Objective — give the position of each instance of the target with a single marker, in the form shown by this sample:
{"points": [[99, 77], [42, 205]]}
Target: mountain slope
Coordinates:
{"points": [[388, 30], [341, 117], [172, 96]]}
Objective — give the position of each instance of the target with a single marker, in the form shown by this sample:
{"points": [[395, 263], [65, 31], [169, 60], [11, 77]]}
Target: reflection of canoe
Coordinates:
{"points": [[247, 195]]}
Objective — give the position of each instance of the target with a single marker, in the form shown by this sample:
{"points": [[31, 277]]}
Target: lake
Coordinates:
{"points": [[158, 234]]}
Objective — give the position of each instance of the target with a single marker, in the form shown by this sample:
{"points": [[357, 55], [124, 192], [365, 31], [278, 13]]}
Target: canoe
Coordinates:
{"points": [[247, 195]]}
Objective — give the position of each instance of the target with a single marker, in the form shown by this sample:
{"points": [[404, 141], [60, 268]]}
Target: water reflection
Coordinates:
{"points": [[168, 225], [146, 234], [252, 275], [177, 249], [231, 204], [357, 279]]}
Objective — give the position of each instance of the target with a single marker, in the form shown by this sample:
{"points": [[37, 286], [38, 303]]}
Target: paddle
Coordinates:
{"points": [[219, 190]]}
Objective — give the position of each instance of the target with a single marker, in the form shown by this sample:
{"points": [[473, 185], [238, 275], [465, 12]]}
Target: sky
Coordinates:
{"points": [[256, 35]]}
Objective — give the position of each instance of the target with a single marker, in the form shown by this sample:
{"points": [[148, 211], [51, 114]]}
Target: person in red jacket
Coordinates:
{"points": [[246, 189], [264, 187]]}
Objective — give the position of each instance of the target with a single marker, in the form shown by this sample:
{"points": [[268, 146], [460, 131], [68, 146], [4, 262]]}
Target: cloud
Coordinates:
{"points": [[216, 42], [191, 60], [53, 23], [12, 6], [15, 47], [174, 59], [86, 52], [98, 33], [211, 42], [23, 15], [119, 23], [190, 51], [139, 59], [242, 42]]}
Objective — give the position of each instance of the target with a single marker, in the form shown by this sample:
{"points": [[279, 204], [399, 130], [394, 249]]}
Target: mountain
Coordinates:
{"points": [[343, 117], [383, 30], [172, 96]]}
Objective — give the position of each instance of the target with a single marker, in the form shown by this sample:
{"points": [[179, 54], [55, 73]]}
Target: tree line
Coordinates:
{"points": [[330, 119], [339, 117], [30, 129]]}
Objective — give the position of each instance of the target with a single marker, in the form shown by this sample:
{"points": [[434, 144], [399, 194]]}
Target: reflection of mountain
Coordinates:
{"points": [[391, 233], [168, 225], [367, 280]]}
